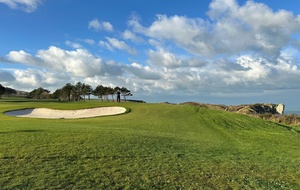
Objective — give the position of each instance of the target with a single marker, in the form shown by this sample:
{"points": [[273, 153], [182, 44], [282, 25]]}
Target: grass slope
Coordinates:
{"points": [[154, 146]]}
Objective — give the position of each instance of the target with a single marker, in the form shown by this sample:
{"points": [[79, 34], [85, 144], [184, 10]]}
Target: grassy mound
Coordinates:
{"points": [[154, 146], [263, 111]]}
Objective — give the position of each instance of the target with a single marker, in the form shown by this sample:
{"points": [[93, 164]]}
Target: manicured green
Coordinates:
{"points": [[153, 146]]}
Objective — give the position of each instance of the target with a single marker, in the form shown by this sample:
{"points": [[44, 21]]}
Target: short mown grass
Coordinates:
{"points": [[154, 146]]}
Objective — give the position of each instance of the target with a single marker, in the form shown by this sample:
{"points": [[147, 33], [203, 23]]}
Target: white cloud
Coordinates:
{"points": [[121, 45], [253, 69], [253, 27], [255, 73], [25, 5], [97, 25], [128, 35], [25, 58], [143, 72], [163, 58], [89, 41], [242, 74], [107, 26], [242, 49], [79, 63], [105, 45], [29, 79], [231, 29], [189, 34], [73, 44]]}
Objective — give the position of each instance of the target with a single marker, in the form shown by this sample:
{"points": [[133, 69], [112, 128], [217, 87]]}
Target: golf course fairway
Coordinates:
{"points": [[151, 146]]}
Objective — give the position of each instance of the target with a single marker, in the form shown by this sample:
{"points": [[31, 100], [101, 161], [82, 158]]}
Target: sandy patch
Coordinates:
{"points": [[66, 114]]}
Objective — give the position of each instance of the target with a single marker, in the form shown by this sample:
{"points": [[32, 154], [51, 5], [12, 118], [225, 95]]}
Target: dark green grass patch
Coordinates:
{"points": [[154, 146]]}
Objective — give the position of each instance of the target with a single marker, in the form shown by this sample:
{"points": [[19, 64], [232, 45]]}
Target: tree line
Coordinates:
{"points": [[6, 91], [80, 92]]}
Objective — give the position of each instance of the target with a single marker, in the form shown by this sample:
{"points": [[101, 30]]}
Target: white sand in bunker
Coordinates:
{"points": [[66, 114]]}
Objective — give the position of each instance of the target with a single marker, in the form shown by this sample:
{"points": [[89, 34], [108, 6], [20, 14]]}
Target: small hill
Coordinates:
{"points": [[268, 111], [259, 108]]}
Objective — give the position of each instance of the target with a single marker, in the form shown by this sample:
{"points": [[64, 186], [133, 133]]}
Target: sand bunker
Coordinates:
{"points": [[66, 114]]}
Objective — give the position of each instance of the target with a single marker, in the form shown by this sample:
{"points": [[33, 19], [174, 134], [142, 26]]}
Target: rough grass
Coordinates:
{"points": [[154, 146]]}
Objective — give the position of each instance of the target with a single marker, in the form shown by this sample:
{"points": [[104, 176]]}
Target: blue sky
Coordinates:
{"points": [[220, 51]]}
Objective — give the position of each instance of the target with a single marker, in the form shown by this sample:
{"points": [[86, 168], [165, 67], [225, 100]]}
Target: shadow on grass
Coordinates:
{"points": [[22, 131], [293, 129]]}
